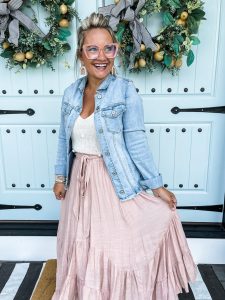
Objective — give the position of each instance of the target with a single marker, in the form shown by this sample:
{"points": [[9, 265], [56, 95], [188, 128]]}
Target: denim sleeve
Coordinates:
{"points": [[136, 140], [61, 156]]}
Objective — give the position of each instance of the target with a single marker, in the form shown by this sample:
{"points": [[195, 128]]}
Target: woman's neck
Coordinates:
{"points": [[93, 83]]}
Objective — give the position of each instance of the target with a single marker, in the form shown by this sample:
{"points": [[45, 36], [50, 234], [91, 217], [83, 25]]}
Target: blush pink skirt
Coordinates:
{"points": [[113, 250]]}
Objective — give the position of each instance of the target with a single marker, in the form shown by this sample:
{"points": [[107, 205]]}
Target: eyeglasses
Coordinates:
{"points": [[93, 51]]}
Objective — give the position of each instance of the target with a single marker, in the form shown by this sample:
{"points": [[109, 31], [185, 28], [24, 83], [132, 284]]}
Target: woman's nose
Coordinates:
{"points": [[101, 54]]}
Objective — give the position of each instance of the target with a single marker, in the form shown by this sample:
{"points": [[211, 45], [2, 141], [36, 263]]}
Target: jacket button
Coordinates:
{"points": [[97, 108], [113, 113], [99, 96], [122, 192], [100, 130], [107, 153], [114, 173]]}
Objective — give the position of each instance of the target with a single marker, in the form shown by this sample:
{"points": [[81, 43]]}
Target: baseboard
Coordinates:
{"points": [[49, 228]]}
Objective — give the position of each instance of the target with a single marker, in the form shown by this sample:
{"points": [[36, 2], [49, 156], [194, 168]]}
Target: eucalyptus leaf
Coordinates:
{"points": [[167, 59], [178, 39], [68, 2], [190, 58], [46, 45], [7, 53], [195, 40], [120, 31], [192, 24], [176, 48], [175, 3], [167, 18], [198, 14]]}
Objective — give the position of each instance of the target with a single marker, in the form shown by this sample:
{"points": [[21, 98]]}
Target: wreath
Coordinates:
{"points": [[139, 50], [23, 42]]}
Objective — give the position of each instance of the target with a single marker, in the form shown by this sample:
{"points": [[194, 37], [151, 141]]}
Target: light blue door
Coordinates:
{"points": [[188, 147]]}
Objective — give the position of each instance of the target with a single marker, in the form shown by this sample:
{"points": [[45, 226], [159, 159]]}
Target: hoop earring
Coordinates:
{"points": [[83, 71], [113, 71]]}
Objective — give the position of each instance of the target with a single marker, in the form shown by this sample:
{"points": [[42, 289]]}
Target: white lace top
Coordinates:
{"points": [[84, 139]]}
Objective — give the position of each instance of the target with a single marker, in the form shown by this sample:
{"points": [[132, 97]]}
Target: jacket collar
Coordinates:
{"points": [[104, 84]]}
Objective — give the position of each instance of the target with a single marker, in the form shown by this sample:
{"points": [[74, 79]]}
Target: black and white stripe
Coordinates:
{"points": [[19, 279]]}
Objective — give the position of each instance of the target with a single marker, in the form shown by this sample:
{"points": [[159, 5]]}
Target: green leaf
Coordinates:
{"points": [[63, 34], [190, 58], [176, 48], [168, 59], [195, 40], [66, 47], [120, 30], [7, 53], [192, 24], [46, 45], [69, 2], [198, 14], [178, 39], [167, 19], [175, 3]]}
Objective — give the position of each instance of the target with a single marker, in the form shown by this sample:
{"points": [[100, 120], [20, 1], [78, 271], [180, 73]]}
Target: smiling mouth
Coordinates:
{"points": [[100, 66]]}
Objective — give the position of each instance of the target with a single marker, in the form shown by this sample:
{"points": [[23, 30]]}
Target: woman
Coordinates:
{"points": [[114, 241]]}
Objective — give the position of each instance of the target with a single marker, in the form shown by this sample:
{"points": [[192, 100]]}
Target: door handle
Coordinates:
{"points": [[6, 206], [29, 112], [215, 110]]}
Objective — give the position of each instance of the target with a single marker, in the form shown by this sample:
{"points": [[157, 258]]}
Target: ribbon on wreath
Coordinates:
{"points": [[123, 11], [11, 8]]}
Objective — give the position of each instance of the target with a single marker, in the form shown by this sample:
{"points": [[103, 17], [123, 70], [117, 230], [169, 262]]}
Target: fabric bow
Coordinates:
{"points": [[123, 11], [11, 8]]}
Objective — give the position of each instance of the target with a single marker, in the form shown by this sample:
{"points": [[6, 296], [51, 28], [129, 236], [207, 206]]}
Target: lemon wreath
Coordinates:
{"points": [[23, 42], [139, 50]]}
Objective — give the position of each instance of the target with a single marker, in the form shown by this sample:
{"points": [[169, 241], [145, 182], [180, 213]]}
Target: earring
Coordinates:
{"points": [[83, 70], [113, 71]]}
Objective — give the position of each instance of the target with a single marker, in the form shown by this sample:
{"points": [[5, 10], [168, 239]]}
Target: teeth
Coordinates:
{"points": [[100, 65]]}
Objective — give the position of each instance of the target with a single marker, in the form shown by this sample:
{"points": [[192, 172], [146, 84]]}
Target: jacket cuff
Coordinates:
{"points": [[60, 170], [152, 183]]}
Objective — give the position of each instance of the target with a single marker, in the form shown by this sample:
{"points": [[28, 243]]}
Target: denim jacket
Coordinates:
{"points": [[120, 129]]}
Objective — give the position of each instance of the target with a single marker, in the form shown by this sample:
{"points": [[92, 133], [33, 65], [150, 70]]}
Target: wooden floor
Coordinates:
{"points": [[36, 281]]}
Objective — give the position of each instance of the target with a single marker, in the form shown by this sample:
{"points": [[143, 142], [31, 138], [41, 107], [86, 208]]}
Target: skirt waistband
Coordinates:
{"points": [[80, 155]]}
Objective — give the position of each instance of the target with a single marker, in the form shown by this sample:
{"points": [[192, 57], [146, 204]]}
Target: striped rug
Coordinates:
{"points": [[36, 281]]}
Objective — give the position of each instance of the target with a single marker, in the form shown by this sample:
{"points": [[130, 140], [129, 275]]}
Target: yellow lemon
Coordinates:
{"points": [[184, 15], [136, 65], [20, 56], [178, 63], [63, 9], [5, 45], [180, 22], [141, 62], [172, 63], [29, 54], [142, 48], [157, 47], [158, 56], [64, 23]]}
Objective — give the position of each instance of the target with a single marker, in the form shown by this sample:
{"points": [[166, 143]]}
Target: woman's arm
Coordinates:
{"points": [[136, 140], [60, 165]]}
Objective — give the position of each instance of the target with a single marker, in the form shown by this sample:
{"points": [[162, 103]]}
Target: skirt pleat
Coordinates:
{"points": [[113, 250]]}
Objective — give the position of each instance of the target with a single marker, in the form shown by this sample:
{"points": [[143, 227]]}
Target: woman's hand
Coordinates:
{"points": [[59, 190], [167, 196]]}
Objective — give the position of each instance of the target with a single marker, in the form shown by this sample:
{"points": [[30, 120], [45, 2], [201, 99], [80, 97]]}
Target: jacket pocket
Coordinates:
{"points": [[113, 117]]}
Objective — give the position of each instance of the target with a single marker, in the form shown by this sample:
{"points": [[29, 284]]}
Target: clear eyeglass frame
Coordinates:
{"points": [[92, 51]]}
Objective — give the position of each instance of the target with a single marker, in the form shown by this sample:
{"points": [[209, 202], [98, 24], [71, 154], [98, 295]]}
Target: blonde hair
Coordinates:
{"points": [[95, 20]]}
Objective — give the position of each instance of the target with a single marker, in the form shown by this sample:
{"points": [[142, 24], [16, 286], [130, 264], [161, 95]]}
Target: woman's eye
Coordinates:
{"points": [[109, 48], [92, 49]]}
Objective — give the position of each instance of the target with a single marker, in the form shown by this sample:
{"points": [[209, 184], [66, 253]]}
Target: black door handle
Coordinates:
{"points": [[29, 112], [215, 110], [6, 206]]}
